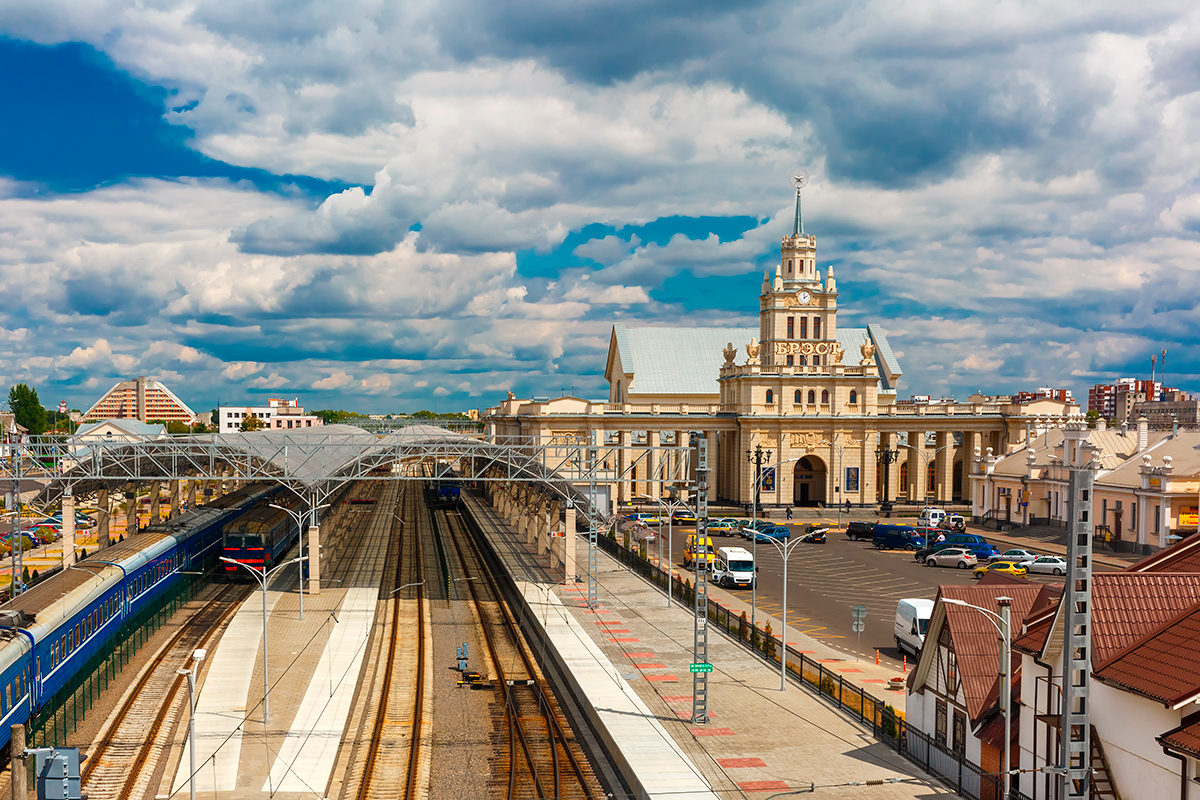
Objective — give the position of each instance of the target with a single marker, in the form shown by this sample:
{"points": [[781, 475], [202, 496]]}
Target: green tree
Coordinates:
{"points": [[1091, 417], [215, 419], [175, 426], [252, 423], [26, 408]]}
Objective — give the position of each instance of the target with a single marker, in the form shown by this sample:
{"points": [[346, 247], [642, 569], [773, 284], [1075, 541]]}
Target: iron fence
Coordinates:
{"points": [[887, 725]]}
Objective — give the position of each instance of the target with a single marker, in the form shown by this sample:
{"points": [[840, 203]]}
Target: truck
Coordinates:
{"points": [[912, 620], [734, 567]]}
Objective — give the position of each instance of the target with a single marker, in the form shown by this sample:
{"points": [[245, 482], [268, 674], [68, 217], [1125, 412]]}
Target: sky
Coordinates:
{"points": [[387, 206]]}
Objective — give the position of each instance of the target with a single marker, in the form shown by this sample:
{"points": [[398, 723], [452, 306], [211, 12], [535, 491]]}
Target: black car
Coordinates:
{"points": [[858, 529], [683, 517]]}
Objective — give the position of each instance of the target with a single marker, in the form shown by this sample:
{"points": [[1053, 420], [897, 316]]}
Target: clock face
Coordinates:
{"points": [[804, 297]]}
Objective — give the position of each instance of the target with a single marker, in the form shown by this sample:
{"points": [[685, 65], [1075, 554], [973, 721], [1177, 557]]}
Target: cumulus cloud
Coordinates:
{"points": [[334, 381]]}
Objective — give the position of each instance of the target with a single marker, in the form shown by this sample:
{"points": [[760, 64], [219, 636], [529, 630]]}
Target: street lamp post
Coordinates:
{"points": [[755, 457], [262, 578], [668, 507], [887, 457], [785, 552], [197, 656], [1002, 622], [299, 517]]}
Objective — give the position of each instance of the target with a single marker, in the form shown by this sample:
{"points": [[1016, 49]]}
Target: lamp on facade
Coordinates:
{"points": [[756, 457], [887, 457]]}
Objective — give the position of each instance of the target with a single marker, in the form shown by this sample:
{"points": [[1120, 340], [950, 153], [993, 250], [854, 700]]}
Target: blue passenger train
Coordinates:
{"points": [[50, 632]]}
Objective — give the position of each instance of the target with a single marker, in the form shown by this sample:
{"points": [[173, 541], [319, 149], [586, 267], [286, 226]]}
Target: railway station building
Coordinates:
{"points": [[818, 398]]}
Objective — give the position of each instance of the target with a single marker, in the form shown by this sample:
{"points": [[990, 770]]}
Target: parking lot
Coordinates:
{"points": [[826, 580]]}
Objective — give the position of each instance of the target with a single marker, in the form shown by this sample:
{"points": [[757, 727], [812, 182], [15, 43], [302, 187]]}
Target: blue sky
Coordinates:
{"points": [[389, 207]]}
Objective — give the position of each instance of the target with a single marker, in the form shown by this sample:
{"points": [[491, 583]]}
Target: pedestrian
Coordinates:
{"points": [[847, 506], [789, 512]]}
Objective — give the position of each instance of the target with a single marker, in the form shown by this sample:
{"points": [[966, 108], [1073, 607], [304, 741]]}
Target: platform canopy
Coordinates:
{"points": [[312, 460]]}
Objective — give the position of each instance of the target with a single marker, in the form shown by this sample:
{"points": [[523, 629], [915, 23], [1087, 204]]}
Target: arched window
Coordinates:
{"points": [[824, 397], [812, 397], [770, 397], [853, 397], [797, 400]]}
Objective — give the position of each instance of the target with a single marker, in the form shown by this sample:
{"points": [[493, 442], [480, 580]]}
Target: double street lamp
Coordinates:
{"points": [[785, 552], [262, 577], [668, 507], [1002, 622], [298, 516]]}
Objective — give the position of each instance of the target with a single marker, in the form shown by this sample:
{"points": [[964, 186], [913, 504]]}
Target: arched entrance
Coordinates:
{"points": [[808, 482]]}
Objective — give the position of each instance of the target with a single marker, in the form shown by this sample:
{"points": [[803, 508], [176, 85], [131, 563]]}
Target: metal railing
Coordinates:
{"points": [[886, 723]]}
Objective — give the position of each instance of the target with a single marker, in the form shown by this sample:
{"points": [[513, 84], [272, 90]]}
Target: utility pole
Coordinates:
{"points": [[700, 663]]}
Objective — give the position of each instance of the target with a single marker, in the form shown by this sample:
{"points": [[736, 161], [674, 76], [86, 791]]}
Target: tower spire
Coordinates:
{"points": [[798, 226]]}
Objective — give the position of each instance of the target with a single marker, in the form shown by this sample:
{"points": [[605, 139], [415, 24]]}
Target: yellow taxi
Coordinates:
{"points": [[698, 549], [1004, 567]]}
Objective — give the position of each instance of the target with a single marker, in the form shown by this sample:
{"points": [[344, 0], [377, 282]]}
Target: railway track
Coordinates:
{"points": [[536, 753], [395, 757], [127, 754]]}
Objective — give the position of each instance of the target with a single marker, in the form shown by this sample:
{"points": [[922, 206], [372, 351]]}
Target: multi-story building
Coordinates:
{"points": [[143, 399], [276, 415], [1103, 397], [816, 398], [1044, 391]]}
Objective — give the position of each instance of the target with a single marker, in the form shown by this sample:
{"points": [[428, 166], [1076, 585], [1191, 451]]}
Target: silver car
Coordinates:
{"points": [[952, 557], [1048, 565], [1018, 555]]}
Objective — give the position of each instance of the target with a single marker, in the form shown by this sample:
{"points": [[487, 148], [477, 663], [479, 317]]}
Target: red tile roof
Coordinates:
{"points": [[1183, 556], [1126, 606], [975, 641], [1162, 665], [1185, 738]]}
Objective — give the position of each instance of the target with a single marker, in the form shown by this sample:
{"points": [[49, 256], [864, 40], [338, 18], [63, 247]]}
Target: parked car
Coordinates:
{"points": [[859, 529], [779, 533], [682, 516], [954, 522], [754, 524], [931, 517], [813, 534], [645, 519], [723, 527], [1048, 565], [1005, 567], [1018, 554], [23, 539], [982, 548], [952, 557], [896, 537]]}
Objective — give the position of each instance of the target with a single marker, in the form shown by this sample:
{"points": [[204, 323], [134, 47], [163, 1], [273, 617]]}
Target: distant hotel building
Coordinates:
{"points": [[276, 415], [142, 399]]}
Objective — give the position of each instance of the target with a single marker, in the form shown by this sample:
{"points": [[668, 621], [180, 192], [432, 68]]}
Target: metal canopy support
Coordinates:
{"points": [[1075, 731], [593, 525], [700, 632]]}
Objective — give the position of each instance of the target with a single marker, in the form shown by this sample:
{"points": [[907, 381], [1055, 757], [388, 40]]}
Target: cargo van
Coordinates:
{"points": [[912, 621], [734, 566], [695, 551], [896, 537]]}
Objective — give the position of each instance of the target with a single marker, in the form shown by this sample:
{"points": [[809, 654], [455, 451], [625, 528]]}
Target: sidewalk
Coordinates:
{"points": [[759, 740]]}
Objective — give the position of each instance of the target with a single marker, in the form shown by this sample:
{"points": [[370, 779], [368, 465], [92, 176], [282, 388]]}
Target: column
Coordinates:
{"points": [[653, 465], [569, 540], [102, 515], [191, 494], [944, 466], [174, 488], [917, 468], [131, 520], [314, 559], [155, 508], [679, 458], [714, 464], [970, 441], [891, 442], [624, 439], [68, 528]]}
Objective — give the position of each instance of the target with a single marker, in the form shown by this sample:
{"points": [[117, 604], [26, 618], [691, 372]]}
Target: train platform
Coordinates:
{"points": [[628, 661]]}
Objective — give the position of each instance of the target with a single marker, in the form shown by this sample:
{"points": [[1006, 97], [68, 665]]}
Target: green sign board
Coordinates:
{"points": [[700, 667]]}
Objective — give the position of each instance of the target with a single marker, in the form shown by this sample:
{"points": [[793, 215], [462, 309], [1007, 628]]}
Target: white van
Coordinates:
{"points": [[733, 566], [931, 518], [912, 620]]}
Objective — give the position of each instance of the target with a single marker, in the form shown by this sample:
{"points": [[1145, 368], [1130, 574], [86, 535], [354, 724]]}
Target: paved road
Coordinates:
{"points": [[825, 581]]}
